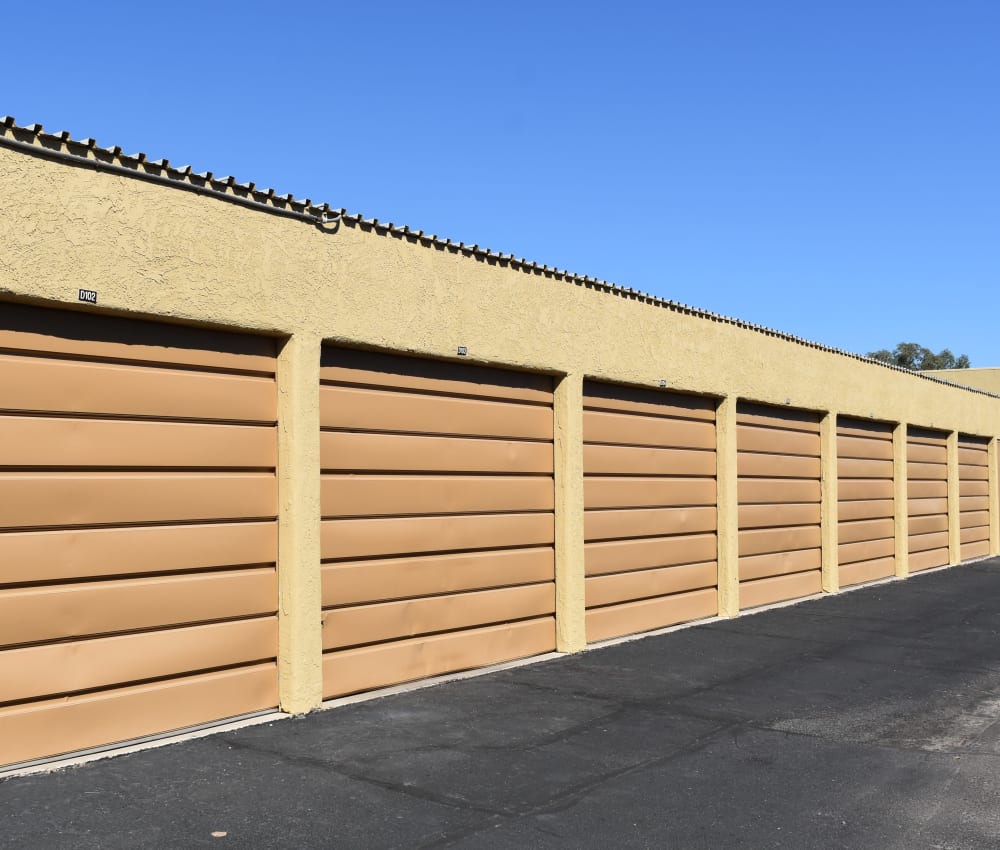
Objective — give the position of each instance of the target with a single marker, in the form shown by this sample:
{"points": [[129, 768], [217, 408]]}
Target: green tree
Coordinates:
{"points": [[918, 358]]}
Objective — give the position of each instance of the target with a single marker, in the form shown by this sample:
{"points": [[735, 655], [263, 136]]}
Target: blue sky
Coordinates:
{"points": [[743, 156]]}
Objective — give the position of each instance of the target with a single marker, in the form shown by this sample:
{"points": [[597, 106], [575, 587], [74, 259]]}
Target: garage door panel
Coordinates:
{"points": [[635, 460], [354, 582], [873, 529], [870, 448], [927, 489], [973, 488], [643, 553], [635, 430], [779, 588], [923, 453], [106, 717], [867, 570], [780, 563], [619, 524], [26, 328], [752, 465], [367, 538], [864, 468], [869, 489], [30, 384], [366, 409], [925, 436], [384, 370], [927, 471], [923, 507], [40, 442], [975, 534], [975, 519], [752, 438], [975, 550], [384, 621], [877, 509], [866, 550], [774, 491], [636, 492], [46, 556], [973, 456], [928, 559], [968, 472], [59, 612], [37, 672], [648, 614], [350, 451], [778, 515], [375, 495], [644, 584], [923, 542], [763, 541], [928, 524], [974, 503], [646, 402], [380, 665], [81, 499], [787, 419]]}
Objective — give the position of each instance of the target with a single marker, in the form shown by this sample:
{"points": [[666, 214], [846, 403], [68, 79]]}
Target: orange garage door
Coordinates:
{"points": [[974, 495], [137, 529], [927, 497], [779, 495], [866, 504], [650, 523], [437, 499]]}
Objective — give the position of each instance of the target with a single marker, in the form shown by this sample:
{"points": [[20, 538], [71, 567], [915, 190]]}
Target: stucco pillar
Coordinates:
{"points": [[954, 517], [828, 502], [300, 645], [727, 482], [571, 624], [900, 495], [994, 498]]}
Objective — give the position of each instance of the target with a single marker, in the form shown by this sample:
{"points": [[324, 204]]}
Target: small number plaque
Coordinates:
{"points": [[88, 295]]}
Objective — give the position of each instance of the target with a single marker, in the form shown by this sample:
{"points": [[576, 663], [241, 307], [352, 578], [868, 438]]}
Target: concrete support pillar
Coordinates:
{"points": [[300, 644], [954, 517], [727, 481], [900, 495], [828, 502], [994, 498], [571, 621]]}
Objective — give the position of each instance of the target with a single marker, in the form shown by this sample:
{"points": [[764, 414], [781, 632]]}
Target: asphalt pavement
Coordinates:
{"points": [[866, 720]]}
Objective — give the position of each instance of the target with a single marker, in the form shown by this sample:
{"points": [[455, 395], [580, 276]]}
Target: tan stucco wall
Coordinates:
{"points": [[987, 378], [162, 252]]}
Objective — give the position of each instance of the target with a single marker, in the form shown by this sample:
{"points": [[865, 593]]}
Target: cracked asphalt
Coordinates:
{"points": [[863, 720]]}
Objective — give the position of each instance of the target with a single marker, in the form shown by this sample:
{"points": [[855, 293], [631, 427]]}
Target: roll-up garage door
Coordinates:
{"points": [[779, 496], [650, 522], [137, 529], [866, 505], [438, 530], [927, 497], [974, 495]]}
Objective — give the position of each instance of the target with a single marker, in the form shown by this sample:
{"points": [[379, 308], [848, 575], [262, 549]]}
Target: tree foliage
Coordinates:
{"points": [[910, 355]]}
